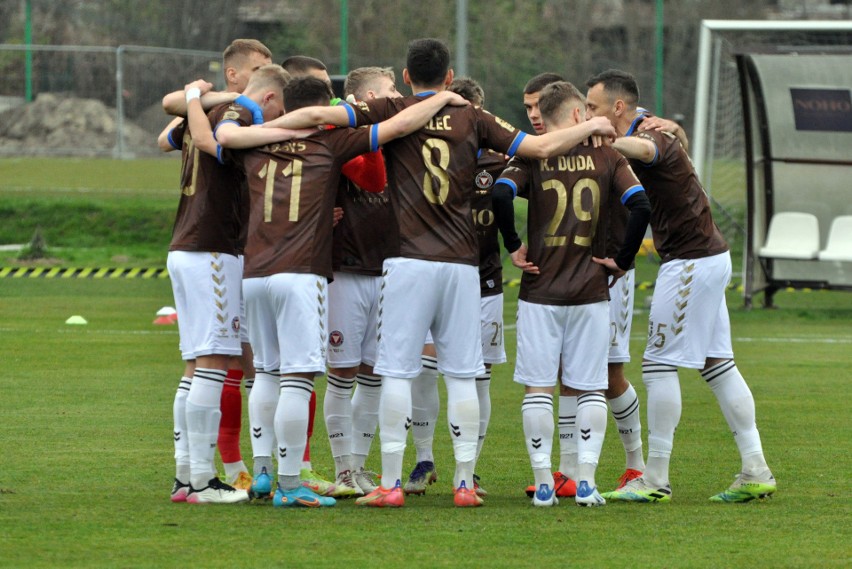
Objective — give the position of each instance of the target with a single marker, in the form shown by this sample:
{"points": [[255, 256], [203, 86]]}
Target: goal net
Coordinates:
{"points": [[718, 136]]}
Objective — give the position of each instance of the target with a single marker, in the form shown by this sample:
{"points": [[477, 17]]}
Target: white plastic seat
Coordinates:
{"points": [[792, 235], [839, 245]]}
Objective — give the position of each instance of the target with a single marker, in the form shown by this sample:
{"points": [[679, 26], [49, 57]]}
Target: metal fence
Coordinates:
{"points": [[92, 101]]}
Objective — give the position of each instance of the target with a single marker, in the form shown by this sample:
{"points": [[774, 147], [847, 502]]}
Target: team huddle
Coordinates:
{"points": [[358, 239]]}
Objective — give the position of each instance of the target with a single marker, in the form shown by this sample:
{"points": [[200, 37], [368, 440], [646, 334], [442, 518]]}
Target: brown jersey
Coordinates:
{"points": [[429, 175], [488, 168], [360, 239], [570, 201], [681, 220], [213, 210], [293, 186]]}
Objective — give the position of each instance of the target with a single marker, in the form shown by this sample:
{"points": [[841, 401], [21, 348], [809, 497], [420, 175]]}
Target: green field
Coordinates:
{"points": [[86, 446]]}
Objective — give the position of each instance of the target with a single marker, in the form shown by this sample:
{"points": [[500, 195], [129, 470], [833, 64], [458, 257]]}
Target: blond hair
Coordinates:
{"points": [[241, 48], [360, 80]]}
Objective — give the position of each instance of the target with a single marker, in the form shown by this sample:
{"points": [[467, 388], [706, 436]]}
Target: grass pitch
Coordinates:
{"points": [[87, 465], [86, 444]]}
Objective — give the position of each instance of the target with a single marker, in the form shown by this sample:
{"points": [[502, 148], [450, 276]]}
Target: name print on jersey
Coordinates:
{"points": [[578, 163]]}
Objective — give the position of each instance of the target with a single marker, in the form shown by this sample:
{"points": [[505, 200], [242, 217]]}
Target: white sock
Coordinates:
{"points": [[591, 428], [483, 392], [337, 408], [365, 416], [625, 411], [262, 402], [394, 422], [568, 435], [664, 409], [424, 410], [233, 469], [737, 405], [463, 420], [202, 423], [181, 436], [537, 414], [291, 423]]}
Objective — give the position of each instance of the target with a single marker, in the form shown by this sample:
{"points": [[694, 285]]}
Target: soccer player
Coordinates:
{"points": [[368, 173], [241, 58], [289, 254], [360, 248], [562, 307], [430, 284], [425, 400], [305, 66], [689, 324], [620, 394], [206, 271]]}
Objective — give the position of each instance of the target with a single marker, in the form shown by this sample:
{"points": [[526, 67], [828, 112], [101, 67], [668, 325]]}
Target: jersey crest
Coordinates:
{"points": [[484, 180]]}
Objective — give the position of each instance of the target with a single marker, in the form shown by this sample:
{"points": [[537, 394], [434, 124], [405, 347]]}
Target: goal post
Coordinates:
{"points": [[737, 34], [720, 144]]}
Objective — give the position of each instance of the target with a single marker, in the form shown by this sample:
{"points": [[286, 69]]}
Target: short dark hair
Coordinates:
{"points": [[556, 99], [469, 89], [540, 81], [306, 92], [427, 62], [297, 65], [618, 84]]}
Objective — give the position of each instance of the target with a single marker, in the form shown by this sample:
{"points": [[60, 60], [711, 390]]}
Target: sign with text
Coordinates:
{"points": [[822, 109]]}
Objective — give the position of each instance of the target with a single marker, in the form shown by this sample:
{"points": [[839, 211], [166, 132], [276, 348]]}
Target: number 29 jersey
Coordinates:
{"points": [[430, 173], [571, 198]]}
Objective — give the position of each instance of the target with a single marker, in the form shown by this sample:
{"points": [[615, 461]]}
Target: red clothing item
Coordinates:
{"points": [[367, 171]]}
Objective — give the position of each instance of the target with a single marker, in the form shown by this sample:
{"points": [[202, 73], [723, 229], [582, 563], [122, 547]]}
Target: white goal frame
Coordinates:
{"points": [[707, 68]]}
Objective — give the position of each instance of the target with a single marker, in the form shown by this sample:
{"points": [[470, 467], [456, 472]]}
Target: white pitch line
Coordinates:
{"points": [[815, 340]]}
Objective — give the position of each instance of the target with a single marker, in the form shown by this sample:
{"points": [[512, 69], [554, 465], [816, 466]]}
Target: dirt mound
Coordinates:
{"points": [[55, 125]]}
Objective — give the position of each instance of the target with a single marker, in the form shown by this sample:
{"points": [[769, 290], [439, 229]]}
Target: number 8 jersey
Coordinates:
{"points": [[430, 173]]}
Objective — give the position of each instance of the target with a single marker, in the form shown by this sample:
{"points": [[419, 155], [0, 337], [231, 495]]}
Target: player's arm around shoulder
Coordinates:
{"points": [[233, 135], [641, 146], [416, 116], [307, 117], [666, 125], [174, 103], [199, 126], [562, 140], [165, 141]]}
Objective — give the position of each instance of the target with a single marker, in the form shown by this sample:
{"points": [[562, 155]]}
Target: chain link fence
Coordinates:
{"points": [[92, 101]]}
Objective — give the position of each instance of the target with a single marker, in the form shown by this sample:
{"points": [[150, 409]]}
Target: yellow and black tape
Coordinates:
{"points": [[83, 273]]}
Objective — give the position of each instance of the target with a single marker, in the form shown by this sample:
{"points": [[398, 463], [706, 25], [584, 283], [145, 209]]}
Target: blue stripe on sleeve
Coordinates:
{"points": [[654, 159], [374, 138], [172, 141], [516, 144], [509, 183], [351, 112], [631, 191]]}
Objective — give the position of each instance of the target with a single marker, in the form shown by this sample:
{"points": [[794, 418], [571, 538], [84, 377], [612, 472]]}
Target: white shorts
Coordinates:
{"points": [[689, 317], [244, 324], [289, 313], [621, 317], [353, 311], [418, 296], [491, 324], [206, 288], [577, 333], [264, 331]]}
